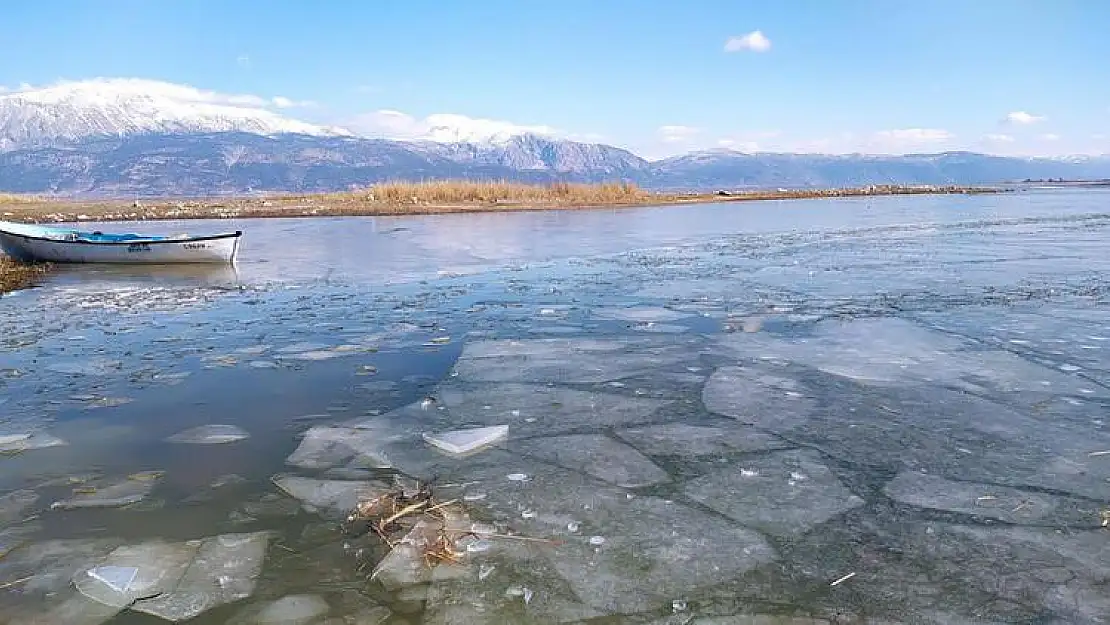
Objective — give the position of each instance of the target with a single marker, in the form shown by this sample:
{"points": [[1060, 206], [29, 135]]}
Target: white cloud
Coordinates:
{"points": [[1021, 118], [998, 138], [1048, 136], [677, 134], [738, 146], [915, 135], [283, 102], [440, 127], [754, 41], [243, 61]]}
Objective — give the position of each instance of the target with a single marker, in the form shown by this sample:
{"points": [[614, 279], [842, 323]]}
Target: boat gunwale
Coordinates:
{"points": [[211, 237]]}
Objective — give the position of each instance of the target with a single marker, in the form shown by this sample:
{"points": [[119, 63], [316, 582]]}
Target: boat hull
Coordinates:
{"points": [[222, 248]]}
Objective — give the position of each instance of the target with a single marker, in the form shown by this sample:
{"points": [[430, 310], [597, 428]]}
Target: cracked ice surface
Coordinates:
{"points": [[782, 493], [650, 550], [683, 439], [567, 360], [892, 351], [757, 398], [596, 455], [996, 502]]}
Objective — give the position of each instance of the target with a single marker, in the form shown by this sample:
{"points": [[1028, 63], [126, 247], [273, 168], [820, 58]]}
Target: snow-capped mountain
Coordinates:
{"points": [[127, 137], [74, 111]]}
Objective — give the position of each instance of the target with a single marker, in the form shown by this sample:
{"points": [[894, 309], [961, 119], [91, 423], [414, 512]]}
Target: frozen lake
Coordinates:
{"points": [[876, 410]]}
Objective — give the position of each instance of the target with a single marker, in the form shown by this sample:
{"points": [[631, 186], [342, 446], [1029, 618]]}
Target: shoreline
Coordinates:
{"points": [[363, 204]]}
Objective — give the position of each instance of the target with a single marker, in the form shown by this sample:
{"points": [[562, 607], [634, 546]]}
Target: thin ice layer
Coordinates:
{"points": [[134, 572], [224, 570], [757, 397], [122, 493], [783, 493], [682, 439], [988, 500], [326, 447], [539, 410], [210, 435], [566, 360], [330, 495], [467, 441], [647, 550], [596, 455]]}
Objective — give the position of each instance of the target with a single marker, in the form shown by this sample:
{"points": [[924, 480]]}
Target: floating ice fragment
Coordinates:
{"points": [[597, 541], [335, 495], [126, 492], [485, 571], [517, 477], [263, 364], [292, 610], [459, 442], [209, 435], [27, 440], [118, 578], [479, 546]]}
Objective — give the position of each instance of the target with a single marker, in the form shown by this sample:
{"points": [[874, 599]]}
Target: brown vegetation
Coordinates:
{"points": [[418, 198], [16, 275]]}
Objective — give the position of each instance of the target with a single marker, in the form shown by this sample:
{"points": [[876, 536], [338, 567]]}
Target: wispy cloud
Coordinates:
{"points": [[1021, 118], [283, 102], [739, 146], [677, 134], [1048, 136], [754, 41], [243, 61], [442, 127], [998, 138], [915, 135]]}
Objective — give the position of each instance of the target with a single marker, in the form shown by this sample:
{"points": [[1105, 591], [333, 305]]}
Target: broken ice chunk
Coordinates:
{"points": [[596, 455], [1007, 504], [118, 578], [681, 439], [26, 441], [327, 447], [334, 495], [209, 435], [122, 493], [224, 570], [460, 442], [291, 610], [133, 572], [774, 500]]}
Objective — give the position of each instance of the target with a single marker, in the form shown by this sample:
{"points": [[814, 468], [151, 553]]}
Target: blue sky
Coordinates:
{"points": [[652, 75]]}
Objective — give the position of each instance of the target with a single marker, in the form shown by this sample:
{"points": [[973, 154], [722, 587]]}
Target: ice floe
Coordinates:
{"points": [[210, 435], [782, 493]]}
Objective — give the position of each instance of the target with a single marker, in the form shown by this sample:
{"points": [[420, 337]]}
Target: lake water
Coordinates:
{"points": [[875, 410]]}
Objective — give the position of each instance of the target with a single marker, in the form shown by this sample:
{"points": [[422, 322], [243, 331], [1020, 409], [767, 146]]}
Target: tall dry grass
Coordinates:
{"points": [[495, 191], [16, 275], [15, 198]]}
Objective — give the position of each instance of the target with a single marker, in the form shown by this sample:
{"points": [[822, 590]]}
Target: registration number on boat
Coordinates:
{"points": [[138, 247], [195, 246]]}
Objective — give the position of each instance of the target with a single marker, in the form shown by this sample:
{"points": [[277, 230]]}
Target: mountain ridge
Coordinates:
{"points": [[133, 137]]}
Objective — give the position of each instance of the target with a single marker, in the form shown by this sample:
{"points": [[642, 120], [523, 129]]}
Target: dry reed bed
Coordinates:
{"points": [[417, 198], [16, 275]]}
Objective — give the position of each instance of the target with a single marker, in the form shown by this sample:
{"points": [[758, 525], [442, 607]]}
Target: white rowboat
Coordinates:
{"points": [[32, 243]]}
